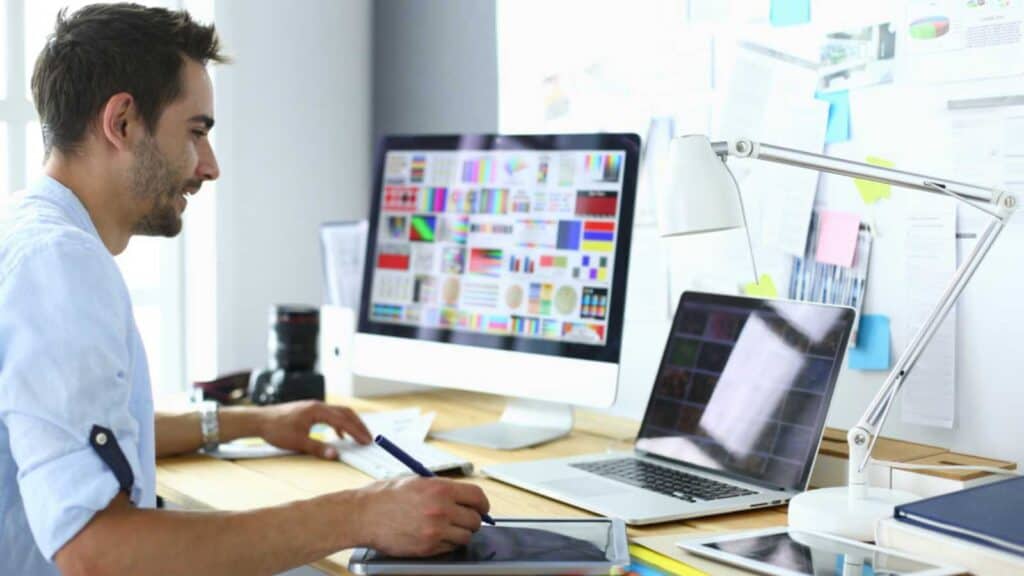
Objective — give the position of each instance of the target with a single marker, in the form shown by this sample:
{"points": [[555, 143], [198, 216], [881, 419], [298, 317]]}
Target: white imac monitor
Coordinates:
{"points": [[498, 263]]}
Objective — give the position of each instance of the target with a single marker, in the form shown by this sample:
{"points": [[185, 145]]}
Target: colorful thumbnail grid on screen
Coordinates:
{"points": [[519, 244]]}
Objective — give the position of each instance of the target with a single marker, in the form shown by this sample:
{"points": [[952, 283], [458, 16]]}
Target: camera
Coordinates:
{"points": [[292, 352]]}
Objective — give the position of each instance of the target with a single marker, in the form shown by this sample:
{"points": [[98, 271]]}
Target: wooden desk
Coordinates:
{"points": [[201, 482]]}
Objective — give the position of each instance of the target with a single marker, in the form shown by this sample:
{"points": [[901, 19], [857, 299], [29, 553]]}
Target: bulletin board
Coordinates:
{"points": [[934, 87]]}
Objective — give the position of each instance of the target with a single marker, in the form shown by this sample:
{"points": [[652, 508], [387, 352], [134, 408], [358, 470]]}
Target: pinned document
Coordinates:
{"points": [[763, 288], [790, 12], [870, 191], [873, 344], [838, 115], [929, 394], [837, 238]]}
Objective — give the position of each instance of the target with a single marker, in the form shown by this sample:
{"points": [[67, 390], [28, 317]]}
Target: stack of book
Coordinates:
{"points": [[980, 529]]}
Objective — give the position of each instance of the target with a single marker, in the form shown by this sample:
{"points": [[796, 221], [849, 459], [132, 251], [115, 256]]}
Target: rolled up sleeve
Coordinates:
{"points": [[65, 367]]}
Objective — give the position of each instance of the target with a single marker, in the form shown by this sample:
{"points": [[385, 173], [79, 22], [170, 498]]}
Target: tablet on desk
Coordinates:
{"points": [[518, 546], [784, 552]]}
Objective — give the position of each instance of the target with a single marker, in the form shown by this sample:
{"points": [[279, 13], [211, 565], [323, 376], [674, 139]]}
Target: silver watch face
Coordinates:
{"points": [[209, 425]]}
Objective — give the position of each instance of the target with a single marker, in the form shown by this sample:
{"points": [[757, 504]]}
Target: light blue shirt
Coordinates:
{"points": [[70, 358]]}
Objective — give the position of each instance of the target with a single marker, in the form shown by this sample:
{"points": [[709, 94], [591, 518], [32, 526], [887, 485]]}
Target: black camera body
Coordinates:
{"points": [[278, 386], [292, 348]]}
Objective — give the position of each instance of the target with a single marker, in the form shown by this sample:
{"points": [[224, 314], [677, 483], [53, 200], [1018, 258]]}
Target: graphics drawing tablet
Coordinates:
{"points": [[518, 546]]}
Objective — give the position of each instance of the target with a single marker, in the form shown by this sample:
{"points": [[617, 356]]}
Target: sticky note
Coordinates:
{"points": [[872, 350], [764, 288], [838, 129], [870, 191], [837, 237], [790, 12]]}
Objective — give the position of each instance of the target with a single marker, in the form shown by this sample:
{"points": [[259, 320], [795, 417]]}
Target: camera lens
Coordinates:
{"points": [[292, 338]]}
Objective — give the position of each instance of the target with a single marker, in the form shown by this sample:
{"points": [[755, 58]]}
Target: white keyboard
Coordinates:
{"points": [[376, 462]]}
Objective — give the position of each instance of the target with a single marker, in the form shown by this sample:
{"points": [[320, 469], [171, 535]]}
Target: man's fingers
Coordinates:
{"points": [[471, 495], [345, 420], [456, 536], [319, 449], [466, 518], [442, 548]]}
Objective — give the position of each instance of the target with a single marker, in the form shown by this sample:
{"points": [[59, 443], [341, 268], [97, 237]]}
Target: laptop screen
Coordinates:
{"points": [[744, 386]]}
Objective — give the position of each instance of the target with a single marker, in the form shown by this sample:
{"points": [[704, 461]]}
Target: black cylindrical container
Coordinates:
{"points": [[291, 342], [292, 351]]}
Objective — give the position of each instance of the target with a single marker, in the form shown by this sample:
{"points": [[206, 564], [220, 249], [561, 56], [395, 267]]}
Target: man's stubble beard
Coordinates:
{"points": [[154, 176]]}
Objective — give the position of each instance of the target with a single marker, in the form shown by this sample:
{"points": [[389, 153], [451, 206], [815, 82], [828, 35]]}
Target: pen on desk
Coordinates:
{"points": [[414, 465]]}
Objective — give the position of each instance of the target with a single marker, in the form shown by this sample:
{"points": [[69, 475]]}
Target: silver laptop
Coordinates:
{"points": [[734, 419]]}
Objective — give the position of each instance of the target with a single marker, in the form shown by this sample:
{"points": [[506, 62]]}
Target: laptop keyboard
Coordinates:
{"points": [[662, 479]]}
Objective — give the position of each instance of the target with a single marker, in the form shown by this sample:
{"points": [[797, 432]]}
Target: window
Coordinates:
{"points": [[153, 268]]}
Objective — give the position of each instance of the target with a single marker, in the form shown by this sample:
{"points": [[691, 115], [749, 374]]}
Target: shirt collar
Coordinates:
{"points": [[49, 189]]}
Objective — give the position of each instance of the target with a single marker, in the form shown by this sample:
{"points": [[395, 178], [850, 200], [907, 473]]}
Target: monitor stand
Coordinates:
{"points": [[524, 423]]}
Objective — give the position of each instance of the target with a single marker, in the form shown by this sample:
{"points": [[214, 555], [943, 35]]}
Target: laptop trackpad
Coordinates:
{"points": [[586, 486]]}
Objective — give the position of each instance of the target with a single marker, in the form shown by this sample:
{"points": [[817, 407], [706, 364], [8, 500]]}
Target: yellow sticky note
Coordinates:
{"points": [[872, 192], [764, 288]]}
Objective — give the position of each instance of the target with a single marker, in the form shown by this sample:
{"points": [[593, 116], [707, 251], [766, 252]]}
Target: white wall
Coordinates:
{"points": [[294, 144], [435, 67]]}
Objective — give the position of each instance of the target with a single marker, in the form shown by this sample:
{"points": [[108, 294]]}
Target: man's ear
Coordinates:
{"points": [[118, 119]]}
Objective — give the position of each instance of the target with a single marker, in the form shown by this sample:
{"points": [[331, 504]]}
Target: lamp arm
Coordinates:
{"points": [[874, 417], [965, 192], [999, 204]]}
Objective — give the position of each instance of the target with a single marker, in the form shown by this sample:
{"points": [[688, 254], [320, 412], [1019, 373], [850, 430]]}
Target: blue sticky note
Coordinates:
{"points": [[790, 12], [873, 337], [838, 115]]}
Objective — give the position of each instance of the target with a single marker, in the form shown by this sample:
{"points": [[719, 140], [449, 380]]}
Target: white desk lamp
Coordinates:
{"points": [[706, 198]]}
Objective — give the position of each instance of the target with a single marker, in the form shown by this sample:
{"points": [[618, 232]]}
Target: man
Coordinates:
{"points": [[126, 105]]}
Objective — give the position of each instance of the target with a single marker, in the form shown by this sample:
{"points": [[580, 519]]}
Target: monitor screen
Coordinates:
{"points": [[744, 386], [511, 242]]}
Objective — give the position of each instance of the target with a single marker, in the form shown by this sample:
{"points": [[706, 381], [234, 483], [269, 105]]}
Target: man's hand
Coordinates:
{"points": [[287, 426], [419, 516]]}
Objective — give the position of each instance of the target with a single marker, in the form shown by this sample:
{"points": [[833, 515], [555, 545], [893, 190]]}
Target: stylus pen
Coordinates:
{"points": [[414, 465]]}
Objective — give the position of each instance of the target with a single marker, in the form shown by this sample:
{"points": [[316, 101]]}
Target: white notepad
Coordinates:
{"points": [[408, 429]]}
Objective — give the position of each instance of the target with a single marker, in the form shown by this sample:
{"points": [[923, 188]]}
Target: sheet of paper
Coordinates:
{"points": [[838, 116], [247, 449], [987, 150], [874, 339], [837, 238], [928, 397], [343, 246], [407, 428], [764, 288], [771, 100], [787, 194], [956, 40], [790, 12], [408, 425], [870, 191]]}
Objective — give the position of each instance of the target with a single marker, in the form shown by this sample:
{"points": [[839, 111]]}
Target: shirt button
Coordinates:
{"points": [[101, 439]]}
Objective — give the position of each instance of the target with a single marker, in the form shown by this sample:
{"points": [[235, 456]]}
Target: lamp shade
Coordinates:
{"points": [[703, 196]]}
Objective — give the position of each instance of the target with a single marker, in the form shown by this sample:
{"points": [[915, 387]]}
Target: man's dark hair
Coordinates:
{"points": [[105, 49]]}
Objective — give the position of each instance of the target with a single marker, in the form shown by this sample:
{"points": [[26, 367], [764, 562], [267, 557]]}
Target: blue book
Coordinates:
{"points": [[990, 514]]}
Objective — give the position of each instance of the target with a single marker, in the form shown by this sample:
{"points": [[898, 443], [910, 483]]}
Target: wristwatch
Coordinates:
{"points": [[209, 425]]}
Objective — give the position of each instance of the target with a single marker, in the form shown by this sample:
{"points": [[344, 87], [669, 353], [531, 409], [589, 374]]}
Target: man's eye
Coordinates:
{"points": [[199, 133]]}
